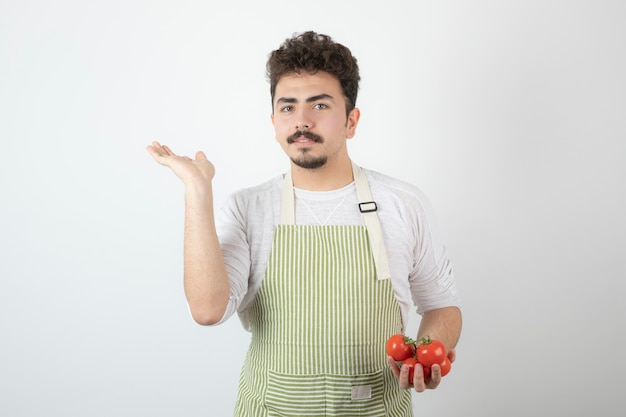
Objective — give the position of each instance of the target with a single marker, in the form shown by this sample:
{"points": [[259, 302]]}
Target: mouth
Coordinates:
{"points": [[302, 141]]}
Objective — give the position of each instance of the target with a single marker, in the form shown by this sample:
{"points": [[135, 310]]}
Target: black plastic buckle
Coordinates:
{"points": [[368, 207]]}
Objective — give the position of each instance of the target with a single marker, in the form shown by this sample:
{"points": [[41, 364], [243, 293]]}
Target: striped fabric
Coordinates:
{"points": [[320, 321]]}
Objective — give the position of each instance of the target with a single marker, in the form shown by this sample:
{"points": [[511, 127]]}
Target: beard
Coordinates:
{"points": [[309, 161], [304, 160]]}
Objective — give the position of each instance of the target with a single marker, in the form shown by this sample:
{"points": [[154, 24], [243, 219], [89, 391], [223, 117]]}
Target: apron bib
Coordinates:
{"points": [[319, 324]]}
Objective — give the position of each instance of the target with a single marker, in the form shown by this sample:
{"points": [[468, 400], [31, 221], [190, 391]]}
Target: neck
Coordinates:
{"points": [[326, 178]]}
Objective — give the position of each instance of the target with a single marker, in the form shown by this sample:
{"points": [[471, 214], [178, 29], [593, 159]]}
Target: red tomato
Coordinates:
{"points": [[400, 347], [430, 352], [410, 362], [445, 366], [426, 371]]}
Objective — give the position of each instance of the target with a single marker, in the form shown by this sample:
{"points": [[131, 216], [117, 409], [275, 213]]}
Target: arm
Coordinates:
{"points": [[205, 278], [443, 324]]}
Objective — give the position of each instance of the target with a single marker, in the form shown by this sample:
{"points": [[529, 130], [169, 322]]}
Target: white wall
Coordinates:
{"points": [[509, 115]]}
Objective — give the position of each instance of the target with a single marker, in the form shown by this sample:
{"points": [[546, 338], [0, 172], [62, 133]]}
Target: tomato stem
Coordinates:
{"points": [[409, 341], [426, 340]]}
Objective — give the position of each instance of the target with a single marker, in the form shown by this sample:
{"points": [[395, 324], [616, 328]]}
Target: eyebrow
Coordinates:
{"points": [[290, 100]]}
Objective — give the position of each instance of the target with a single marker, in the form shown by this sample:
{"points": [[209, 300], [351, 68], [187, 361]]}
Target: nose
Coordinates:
{"points": [[303, 121]]}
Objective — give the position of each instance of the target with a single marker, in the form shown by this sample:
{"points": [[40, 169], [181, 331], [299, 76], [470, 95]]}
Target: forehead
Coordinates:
{"points": [[303, 83]]}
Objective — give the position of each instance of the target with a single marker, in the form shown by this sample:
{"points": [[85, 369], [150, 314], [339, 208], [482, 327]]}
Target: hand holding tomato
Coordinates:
{"points": [[418, 368]]}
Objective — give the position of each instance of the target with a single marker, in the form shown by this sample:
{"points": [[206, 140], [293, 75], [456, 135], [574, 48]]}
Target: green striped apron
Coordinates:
{"points": [[320, 321]]}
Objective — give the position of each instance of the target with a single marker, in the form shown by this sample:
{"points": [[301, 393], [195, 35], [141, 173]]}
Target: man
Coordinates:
{"points": [[322, 264]]}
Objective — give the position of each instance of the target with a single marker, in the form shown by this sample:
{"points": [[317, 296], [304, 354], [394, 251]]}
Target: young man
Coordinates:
{"points": [[321, 264]]}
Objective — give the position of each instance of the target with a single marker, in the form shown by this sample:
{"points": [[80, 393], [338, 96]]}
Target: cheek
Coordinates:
{"points": [[281, 131], [281, 122], [343, 126]]}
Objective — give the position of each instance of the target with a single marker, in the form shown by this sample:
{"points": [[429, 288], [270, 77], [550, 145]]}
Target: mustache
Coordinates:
{"points": [[306, 134]]}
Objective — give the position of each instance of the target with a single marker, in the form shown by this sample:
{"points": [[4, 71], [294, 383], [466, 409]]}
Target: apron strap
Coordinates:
{"points": [[287, 207], [367, 207]]}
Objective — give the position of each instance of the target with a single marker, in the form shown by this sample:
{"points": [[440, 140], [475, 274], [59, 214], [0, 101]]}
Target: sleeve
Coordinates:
{"points": [[431, 279]]}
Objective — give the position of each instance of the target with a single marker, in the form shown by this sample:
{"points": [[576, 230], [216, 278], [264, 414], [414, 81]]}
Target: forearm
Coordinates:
{"points": [[205, 277], [443, 324]]}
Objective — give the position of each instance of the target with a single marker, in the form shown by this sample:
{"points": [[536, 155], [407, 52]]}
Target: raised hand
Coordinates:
{"points": [[199, 171], [206, 280]]}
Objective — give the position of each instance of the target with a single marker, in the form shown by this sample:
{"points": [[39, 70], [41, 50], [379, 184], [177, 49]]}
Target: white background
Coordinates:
{"points": [[510, 115]]}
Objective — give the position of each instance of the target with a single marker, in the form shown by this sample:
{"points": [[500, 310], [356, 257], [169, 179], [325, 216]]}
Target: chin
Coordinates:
{"points": [[310, 163]]}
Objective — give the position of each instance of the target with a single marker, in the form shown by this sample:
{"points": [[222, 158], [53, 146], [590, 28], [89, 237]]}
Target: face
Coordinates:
{"points": [[310, 121]]}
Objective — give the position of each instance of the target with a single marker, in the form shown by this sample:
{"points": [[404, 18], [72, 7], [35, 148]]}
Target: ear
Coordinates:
{"points": [[353, 121], [272, 118]]}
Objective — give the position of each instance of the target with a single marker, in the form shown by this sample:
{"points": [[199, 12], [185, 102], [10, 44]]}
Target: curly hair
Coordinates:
{"points": [[313, 52]]}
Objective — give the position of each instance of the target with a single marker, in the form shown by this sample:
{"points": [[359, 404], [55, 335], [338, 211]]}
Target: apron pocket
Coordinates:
{"points": [[291, 395]]}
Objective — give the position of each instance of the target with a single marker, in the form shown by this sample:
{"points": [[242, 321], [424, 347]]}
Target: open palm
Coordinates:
{"points": [[187, 169]]}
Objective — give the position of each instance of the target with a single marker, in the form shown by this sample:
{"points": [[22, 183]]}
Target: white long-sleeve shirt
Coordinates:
{"points": [[421, 272]]}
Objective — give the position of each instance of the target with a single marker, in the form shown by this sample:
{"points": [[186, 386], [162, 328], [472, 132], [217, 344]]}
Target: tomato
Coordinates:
{"points": [[426, 371], [445, 366], [410, 362], [400, 347], [430, 351]]}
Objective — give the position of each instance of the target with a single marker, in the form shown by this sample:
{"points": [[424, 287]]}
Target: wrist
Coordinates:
{"points": [[198, 186]]}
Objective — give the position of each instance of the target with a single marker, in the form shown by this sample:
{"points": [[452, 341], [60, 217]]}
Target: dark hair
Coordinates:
{"points": [[313, 52]]}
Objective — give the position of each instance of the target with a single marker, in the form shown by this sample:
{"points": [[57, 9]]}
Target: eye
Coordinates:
{"points": [[286, 109], [320, 106]]}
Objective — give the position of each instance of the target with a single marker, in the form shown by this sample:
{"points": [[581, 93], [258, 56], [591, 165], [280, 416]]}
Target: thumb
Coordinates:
{"points": [[452, 355], [200, 156]]}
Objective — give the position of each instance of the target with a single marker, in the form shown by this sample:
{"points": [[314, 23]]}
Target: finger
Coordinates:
{"points": [[155, 151], [168, 151], [157, 146], [403, 379], [452, 355], [161, 153], [394, 366], [435, 376], [419, 384]]}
